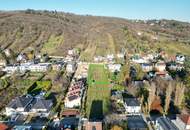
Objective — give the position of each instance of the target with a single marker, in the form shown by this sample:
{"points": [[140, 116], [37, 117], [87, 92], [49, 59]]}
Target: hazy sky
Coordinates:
{"points": [[131, 9]]}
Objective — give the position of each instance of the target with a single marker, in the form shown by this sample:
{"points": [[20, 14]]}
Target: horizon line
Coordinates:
{"points": [[94, 15]]}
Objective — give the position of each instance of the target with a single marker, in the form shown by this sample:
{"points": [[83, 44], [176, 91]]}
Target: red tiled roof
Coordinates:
{"points": [[185, 119], [70, 112], [161, 73], [3, 126]]}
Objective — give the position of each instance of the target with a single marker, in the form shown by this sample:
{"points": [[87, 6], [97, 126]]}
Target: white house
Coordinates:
{"points": [[70, 67], [22, 127], [72, 52], [11, 68], [160, 66], [139, 60], [180, 59], [19, 105], [120, 55], [164, 123], [183, 122], [21, 58], [114, 67], [99, 58], [132, 106], [73, 101], [110, 57], [40, 67], [25, 66], [146, 67]]}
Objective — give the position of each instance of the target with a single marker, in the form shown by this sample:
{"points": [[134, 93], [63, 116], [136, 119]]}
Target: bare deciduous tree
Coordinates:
{"points": [[179, 94], [169, 90], [151, 96]]}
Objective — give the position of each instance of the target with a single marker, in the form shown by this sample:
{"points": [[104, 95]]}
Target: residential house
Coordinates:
{"points": [[11, 68], [180, 59], [72, 52], [175, 66], [160, 66], [71, 67], [99, 58], [114, 67], [19, 105], [132, 106], [110, 57], [74, 95], [22, 58], [40, 67], [164, 123], [120, 55], [26, 105], [82, 71], [139, 60], [57, 66], [22, 127], [136, 123], [92, 125], [183, 122], [69, 58], [69, 123], [41, 107], [146, 67], [23, 67]]}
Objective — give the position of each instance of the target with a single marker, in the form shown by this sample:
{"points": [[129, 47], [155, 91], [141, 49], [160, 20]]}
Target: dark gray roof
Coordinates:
{"points": [[166, 124], [42, 104], [72, 97], [132, 102], [136, 123], [20, 102]]}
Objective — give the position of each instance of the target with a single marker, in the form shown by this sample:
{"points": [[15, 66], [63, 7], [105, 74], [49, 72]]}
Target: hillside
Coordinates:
{"points": [[55, 32]]}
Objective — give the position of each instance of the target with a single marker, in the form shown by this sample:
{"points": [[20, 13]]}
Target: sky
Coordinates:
{"points": [[130, 9]]}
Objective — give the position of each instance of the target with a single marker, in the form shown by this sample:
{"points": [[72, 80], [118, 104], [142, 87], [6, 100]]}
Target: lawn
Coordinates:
{"points": [[98, 94]]}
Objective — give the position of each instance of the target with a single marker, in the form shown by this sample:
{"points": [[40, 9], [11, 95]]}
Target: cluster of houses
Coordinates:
{"points": [[110, 58], [38, 64], [159, 63], [135, 119]]}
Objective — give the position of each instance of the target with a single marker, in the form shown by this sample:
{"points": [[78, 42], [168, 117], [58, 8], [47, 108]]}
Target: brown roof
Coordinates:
{"points": [[185, 118], [3, 126], [93, 126], [70, 112]]}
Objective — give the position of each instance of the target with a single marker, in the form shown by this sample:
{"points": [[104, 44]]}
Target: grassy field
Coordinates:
{"points": [[98, 92]]}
